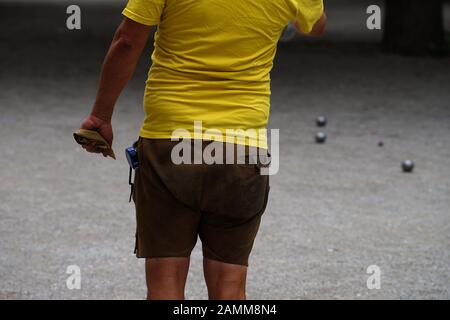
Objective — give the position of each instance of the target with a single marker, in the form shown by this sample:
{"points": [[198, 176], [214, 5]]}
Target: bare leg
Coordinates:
{"points": [[225, 281], [166, 278]]}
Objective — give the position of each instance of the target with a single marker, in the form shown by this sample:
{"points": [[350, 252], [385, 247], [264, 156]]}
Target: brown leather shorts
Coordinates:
{"points": [[220, 203]]}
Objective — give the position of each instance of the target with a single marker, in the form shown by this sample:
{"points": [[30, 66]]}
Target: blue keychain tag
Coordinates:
{"points": [[132, 157], [133, 161]]}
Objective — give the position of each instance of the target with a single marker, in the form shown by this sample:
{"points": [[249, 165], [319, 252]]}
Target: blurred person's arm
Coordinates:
{"points": [[318, 29], [118, 67]]}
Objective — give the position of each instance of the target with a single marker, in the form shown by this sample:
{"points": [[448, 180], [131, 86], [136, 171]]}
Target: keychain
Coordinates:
{"points": [[133, 161]]}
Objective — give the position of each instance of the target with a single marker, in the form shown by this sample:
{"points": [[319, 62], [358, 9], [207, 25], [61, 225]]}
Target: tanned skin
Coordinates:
{"points": [[318, 29]]}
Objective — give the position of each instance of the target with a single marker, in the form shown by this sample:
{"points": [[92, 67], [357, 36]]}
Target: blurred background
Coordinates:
{"points": [[334, 210]]}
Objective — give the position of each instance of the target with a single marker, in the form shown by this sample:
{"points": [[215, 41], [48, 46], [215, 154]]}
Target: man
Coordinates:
{"points": [[211, 63]]}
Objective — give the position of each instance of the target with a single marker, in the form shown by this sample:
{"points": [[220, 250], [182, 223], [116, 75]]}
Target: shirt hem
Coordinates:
{"points": [[251, 142]]}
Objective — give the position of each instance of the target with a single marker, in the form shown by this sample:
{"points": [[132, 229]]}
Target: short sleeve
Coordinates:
{"points": [[308, 13], [147, 12]]}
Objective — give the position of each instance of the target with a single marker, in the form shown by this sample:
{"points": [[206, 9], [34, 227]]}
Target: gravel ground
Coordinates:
{"points": [[334, 209]]}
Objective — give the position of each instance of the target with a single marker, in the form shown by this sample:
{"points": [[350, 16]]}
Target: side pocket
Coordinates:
{"points": [[138, 146]]}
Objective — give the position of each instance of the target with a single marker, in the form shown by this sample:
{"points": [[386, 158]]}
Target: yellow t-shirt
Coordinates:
{"points": [[211, 65]]}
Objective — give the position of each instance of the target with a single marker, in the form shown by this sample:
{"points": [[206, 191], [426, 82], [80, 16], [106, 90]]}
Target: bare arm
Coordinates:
{"points": [[319, 27], [118, 68]]}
